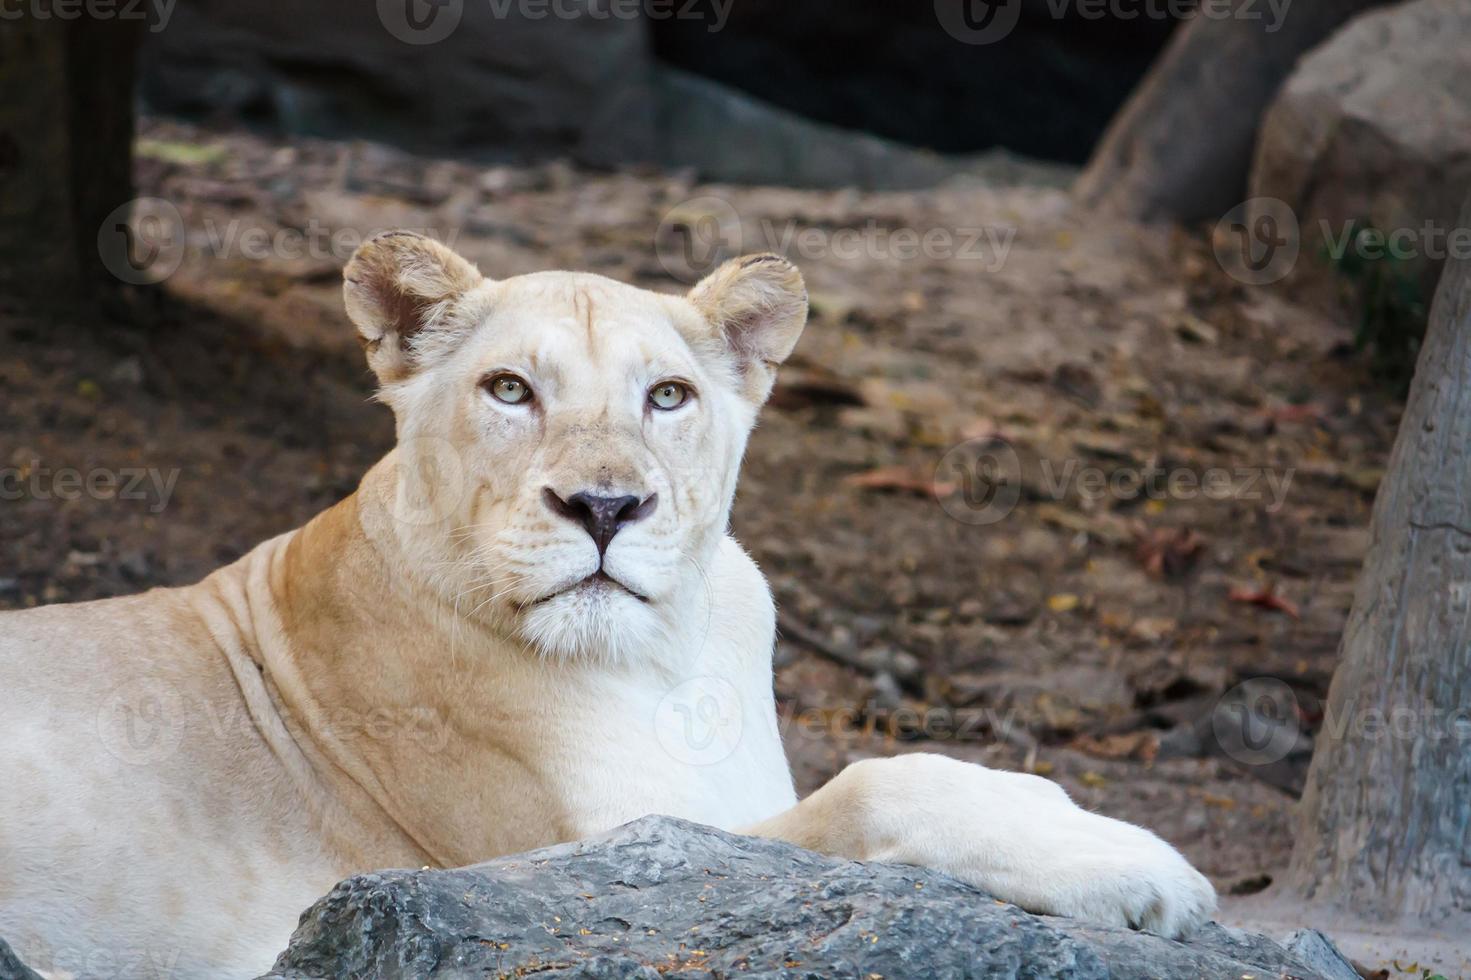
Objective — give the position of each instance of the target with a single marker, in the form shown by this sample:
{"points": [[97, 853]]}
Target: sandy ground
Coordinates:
{"points": [[1087, 634]]}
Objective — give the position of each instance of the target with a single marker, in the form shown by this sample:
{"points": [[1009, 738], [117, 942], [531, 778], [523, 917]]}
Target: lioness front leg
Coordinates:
{"points": [[1016, 836]]}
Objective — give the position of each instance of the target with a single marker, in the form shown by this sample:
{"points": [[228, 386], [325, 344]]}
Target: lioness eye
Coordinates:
{"points": [[509, 389], [668, 394]]}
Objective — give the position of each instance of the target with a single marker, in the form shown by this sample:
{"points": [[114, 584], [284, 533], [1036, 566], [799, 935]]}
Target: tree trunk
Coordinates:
{"points": [[66, 132], [1386, 816], [1180, 148]]}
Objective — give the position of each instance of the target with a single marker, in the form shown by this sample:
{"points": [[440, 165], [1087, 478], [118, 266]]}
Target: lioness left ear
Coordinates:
{"points": [[397, 285], [759, 306]]}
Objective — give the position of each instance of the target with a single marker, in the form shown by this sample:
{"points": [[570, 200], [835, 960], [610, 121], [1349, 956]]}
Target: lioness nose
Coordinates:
{"points": [[603, 517]]}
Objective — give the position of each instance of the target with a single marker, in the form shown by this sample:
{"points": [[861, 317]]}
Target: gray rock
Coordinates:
{"points": [[505, 84], [726, 135], [661, 897], [1374, 126], [11, 968], [470, 78], [1315, 951]]}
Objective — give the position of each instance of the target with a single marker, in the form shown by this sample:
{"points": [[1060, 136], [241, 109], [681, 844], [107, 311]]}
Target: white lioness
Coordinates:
{"points": [[528, 625]]}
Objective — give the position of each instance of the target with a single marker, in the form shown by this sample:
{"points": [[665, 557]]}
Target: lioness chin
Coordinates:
{"points": [[528, 625]]}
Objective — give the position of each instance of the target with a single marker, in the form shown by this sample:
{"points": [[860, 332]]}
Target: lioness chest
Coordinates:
{"points": [[702, 744]]}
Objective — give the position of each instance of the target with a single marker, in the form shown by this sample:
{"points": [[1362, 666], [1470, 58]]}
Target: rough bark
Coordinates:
{"points": [[1386, 816], [1180, 149], [66, 131]]}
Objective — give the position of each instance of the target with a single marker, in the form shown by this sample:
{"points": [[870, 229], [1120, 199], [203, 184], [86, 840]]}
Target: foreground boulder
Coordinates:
{"points": [[661, 897], [11, 968]]}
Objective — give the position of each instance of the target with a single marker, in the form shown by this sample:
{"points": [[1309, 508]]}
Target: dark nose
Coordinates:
{"points": [[603, 517]]}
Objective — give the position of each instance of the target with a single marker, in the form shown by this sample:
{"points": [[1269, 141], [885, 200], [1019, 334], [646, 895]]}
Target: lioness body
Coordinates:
{"points": [[188, 816], [528, 625]]}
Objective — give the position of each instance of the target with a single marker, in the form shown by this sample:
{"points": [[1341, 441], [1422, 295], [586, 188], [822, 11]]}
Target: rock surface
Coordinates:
{"points": [[662, 897], [12, 968], [507, 86], [453, 77], [1374, 126]]}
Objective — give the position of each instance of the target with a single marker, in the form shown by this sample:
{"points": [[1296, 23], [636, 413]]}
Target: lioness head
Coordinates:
{"points": [[568, 445]]}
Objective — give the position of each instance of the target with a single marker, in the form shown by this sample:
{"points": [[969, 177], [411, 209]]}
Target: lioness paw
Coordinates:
{"points": [[1126, 876], [1023, 840]]}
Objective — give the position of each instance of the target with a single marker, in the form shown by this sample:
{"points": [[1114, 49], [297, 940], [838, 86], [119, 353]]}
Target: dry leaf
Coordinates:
{"points": [[1167, 553], [1266, 598], [1063, 602], [1294, 413], [903, 480], [1143, 746]]}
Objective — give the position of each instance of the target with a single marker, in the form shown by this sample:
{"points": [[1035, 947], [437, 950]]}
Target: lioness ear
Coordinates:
{"points": [[396, 285], [759, 306]]}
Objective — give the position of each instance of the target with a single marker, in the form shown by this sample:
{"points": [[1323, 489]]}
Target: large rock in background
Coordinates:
{"points": [[734, 93], [661, 897], [462, 76], [727, 135], [1374, 126], [1044, 83], [489, 80]]}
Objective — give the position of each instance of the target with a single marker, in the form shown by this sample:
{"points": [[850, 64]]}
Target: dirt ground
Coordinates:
{"points": [[1087, 635]]}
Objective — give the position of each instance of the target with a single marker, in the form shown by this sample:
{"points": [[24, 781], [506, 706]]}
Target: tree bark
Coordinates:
{"points": [[1180, 149], [66, 133], [1386, 816]]}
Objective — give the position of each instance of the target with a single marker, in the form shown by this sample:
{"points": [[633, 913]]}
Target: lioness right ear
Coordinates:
{"points": [[397, 285], [759, 306]]}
